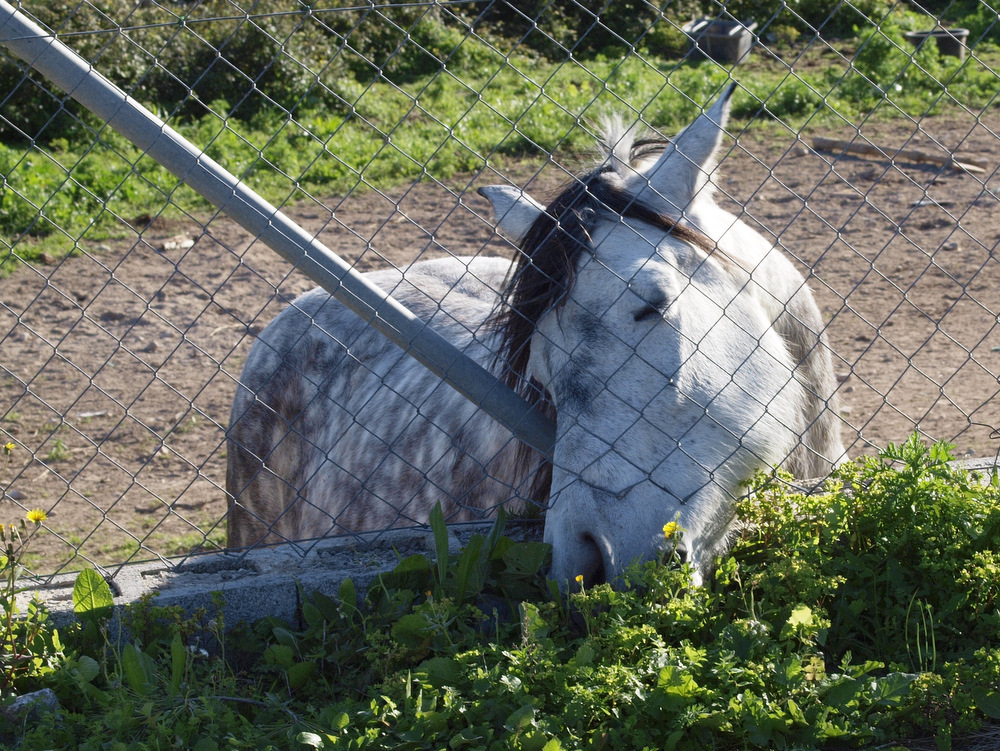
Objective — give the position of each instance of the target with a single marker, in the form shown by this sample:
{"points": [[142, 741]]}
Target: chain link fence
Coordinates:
{"points": [[128, 304]]}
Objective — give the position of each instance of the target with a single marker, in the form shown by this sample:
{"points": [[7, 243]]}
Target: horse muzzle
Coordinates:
{"points": [[596, 534]]}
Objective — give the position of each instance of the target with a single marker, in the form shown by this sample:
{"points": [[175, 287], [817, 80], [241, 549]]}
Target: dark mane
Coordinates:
{"points": [[550, 250], [544, 270]]}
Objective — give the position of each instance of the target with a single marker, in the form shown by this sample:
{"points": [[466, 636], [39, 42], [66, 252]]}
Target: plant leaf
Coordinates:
{"points": [[987, 701], [526, 557], [91, 595], [891, 689], [442, 671], [300, 674], [412, 631], [87, 668], [326, 605], [440, 530], [178, 660], [280, 655], [309, 739], [470, 573], [140, 671], [496, 532], [348, 598]]}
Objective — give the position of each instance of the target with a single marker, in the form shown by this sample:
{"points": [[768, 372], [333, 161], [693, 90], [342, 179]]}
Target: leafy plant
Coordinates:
{"points": [[659, 663], [29, 647], [864, 614], [59, 452], [893, 550]]}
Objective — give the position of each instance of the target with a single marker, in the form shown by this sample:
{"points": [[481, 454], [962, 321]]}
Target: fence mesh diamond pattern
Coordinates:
{"points": [[128, 304]]}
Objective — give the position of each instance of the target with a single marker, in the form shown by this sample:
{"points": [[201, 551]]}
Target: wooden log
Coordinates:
{"points": [[964, 163]]}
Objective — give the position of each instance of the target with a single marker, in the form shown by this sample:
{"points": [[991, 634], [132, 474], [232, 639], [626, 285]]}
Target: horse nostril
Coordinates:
{"points": [[594, 572]]}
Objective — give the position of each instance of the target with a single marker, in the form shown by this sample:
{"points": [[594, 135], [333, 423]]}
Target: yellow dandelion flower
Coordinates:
{"points": [[8, 448], [579, 578], [670, 529], [36, 516]]}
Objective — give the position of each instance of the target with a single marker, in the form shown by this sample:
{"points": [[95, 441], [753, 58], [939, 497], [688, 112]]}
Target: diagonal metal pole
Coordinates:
{"points": [[74, 75]]}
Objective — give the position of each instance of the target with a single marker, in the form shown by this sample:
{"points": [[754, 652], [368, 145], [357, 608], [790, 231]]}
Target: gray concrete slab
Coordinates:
{"points": [[268, 582]]}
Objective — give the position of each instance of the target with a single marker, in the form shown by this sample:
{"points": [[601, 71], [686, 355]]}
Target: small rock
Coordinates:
{"points": [[930, 202], [35, 703], [177, 242], [151, 347], [16, 495]]}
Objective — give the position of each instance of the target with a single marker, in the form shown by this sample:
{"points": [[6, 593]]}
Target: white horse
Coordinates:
{"points": [[676, 349]]}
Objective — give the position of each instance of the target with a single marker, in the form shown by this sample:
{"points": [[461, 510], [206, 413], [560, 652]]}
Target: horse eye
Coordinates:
{"points": [[647, 313]]}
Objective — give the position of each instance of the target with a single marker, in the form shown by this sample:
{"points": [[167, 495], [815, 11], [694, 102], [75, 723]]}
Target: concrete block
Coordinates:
{"points": [[266, 581]]}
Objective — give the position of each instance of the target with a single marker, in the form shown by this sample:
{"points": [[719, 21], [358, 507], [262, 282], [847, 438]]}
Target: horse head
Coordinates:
{"points": [[655, 325]]}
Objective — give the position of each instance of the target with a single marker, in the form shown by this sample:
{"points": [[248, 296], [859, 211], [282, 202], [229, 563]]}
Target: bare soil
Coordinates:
{"points": [[118, 365]]}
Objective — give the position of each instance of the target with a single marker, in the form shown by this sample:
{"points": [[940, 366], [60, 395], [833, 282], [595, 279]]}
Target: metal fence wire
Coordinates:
{"points": [[129, 303]]}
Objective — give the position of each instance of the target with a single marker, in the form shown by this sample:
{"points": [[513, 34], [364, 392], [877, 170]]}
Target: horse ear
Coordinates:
{"points": [[515, 210], [684, 167]]}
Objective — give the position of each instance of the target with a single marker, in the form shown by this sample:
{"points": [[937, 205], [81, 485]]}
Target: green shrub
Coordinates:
{"points": [[900, 555], [865, 614], [830, 20], [887, 70]]}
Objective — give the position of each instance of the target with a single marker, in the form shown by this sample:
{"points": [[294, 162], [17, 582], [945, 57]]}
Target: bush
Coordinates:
{"points": [[177, 63], [901, 554], [830, 20], [866, 614]]}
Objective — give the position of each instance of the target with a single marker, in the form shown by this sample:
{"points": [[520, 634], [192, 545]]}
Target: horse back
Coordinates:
{"points": [[334, 429]]}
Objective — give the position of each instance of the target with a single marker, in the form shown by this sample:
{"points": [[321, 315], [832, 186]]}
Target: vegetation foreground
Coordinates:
{"points": [[867, 614]]}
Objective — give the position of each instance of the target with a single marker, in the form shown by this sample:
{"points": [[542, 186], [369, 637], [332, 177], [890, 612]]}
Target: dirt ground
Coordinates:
{"points": [[118, 366]]}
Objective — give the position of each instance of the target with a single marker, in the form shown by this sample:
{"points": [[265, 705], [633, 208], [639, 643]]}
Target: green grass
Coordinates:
{"points": [[176, 545], [863, 616], [73, 192], [59, 452]]}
